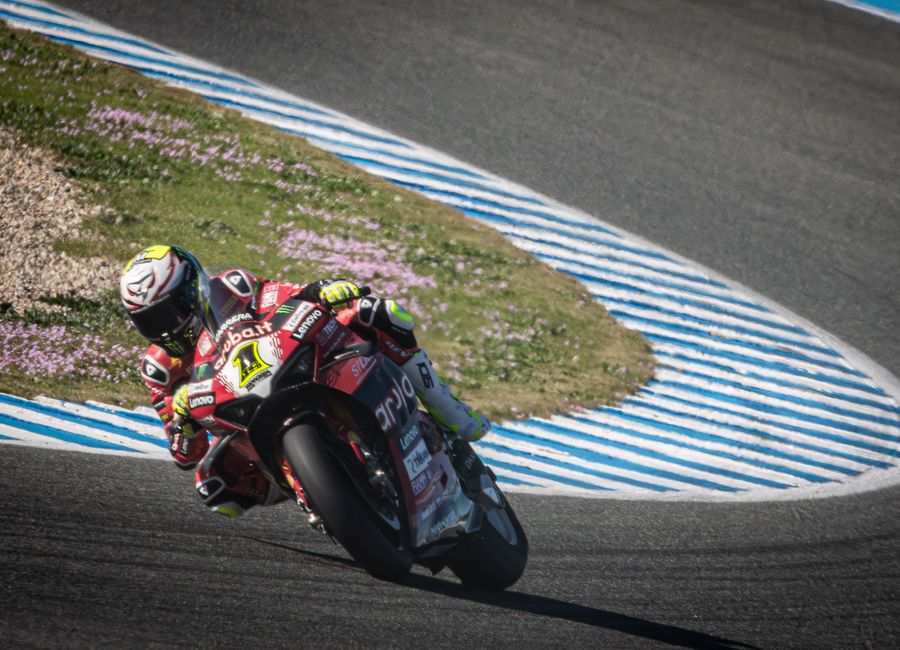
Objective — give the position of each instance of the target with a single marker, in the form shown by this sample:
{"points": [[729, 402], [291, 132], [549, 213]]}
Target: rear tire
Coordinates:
{"points": [[495, 556], [337, 501]]}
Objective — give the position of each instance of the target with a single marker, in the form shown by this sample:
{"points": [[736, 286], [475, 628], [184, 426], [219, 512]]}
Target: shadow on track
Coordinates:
{"points": [[541, 606], [560, 609]]}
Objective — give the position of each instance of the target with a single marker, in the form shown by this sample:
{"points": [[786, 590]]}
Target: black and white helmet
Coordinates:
{"points": [[164, 291]]}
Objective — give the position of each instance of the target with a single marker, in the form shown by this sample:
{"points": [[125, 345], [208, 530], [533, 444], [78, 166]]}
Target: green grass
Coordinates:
{"points": [[512, 336]]}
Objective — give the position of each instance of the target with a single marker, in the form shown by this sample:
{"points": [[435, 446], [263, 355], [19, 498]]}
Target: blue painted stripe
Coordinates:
{"points": [[211, 85], [45, 10], [445, 196], [641, 323], [853, 399], [528, 471], [377, 166], [741, 329], [492, 219], [498, 446], [139, 418], [59, 434], [327, 144], [682, 300], [609, 461], [365, 135], [706, 323], [85, 45], [677, 286], [79, 30], [3, 437], [668, 427], [803, 401], [80, 419], [892, 6], [684, 275], [813, 433], [725, 354], [771, 409], [643, 451]]}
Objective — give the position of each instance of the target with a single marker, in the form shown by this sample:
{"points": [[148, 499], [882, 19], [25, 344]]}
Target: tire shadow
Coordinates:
{"points": [[553, 608], [539, 606]]}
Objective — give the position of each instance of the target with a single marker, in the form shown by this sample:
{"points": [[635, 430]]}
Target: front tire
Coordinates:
{"points": [[493, 557], [335, 498]]}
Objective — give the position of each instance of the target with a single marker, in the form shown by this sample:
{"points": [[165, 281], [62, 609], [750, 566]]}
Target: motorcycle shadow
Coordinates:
{"points": [[540, 605]]}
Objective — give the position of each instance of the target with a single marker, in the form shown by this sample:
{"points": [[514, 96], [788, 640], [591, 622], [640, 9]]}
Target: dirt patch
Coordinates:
{"points": [[39, 206]]}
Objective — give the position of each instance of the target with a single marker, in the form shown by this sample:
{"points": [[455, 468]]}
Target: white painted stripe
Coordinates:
{"points": [[619, 454], [601, 446], [555, 239], [752, 449], [892, 14], [722, 324], [148, 430], [811, 392], [743, 368], [638, 314], [710, 409], [543, 451], [667, 376], [745, 351], [145, 411], [24, 438], [77, 428], [536, 464]]}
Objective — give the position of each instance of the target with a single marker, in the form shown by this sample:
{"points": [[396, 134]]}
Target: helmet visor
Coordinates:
{"points": [[161, 319], [167, 317]]}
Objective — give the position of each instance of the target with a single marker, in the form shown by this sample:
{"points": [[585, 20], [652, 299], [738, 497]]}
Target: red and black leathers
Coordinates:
{"points": [[226, 476]]}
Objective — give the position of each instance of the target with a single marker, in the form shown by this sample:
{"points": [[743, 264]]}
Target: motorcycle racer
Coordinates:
{"points": [[165, 293]]}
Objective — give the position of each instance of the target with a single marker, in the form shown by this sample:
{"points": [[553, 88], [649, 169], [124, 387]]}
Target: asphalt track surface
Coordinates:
{"points": [[758, 138]]}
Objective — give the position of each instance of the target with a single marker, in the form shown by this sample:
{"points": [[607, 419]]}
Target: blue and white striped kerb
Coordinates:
{"points": [[748, 400]]}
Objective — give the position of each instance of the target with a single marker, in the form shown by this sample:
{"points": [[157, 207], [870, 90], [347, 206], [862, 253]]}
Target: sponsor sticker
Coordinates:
{"points": [[298, 315], [233, 338], [408, 438], [307, 324], [200, 387], [231, 322], [418, 484], [248, 362], [269, 296], [417, 460], [198, 401]]}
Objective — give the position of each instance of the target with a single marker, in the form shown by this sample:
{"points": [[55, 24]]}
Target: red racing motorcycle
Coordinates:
{"points": [[337, 427]]}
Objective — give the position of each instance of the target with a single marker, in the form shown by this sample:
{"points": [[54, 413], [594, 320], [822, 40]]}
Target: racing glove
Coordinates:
{"points": [[339, 294], [182, 423]]}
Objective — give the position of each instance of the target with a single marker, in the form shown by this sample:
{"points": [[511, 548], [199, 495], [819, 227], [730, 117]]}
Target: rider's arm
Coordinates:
{"points": [[164, 375]]}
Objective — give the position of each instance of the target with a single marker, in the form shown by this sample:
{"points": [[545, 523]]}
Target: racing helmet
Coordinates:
{"points": [[164, 291]]}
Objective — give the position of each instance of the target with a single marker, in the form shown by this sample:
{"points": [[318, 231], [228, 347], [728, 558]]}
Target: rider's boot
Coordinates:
{"points": [[449, 412]]}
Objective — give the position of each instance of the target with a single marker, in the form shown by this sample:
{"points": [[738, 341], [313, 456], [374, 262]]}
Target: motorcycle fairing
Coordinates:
{"points": [[360, 392]]}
